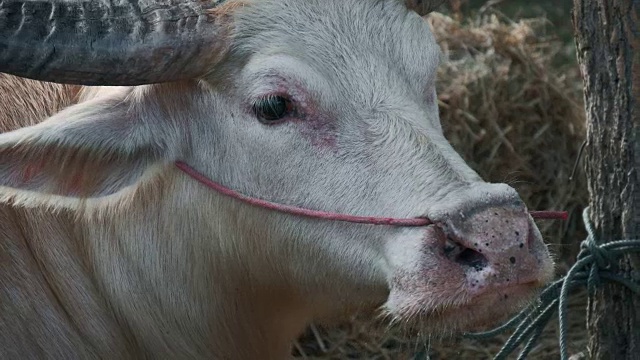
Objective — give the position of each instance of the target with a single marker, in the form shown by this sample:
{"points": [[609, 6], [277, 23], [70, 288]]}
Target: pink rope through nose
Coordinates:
{"points": [[294, 210]]}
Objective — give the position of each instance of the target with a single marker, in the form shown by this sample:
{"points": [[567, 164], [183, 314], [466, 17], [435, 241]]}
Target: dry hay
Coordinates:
{"points": [[515, 119]]}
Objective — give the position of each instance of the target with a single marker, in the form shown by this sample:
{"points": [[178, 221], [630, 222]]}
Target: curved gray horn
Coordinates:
{"points": [[423, 7], [111, 42]]}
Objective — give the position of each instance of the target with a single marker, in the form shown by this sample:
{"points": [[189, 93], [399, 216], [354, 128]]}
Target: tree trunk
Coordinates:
{"points": [[608, 46]]}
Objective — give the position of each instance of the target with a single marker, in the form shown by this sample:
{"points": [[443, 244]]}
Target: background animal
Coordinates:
{"points": [[111, 252]]}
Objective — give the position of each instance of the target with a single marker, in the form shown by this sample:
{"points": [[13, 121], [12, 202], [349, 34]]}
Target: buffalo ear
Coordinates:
{"points": [[423, 7], [90, 150]]}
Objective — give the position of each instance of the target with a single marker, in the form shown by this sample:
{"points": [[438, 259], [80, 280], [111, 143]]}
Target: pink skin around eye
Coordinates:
{"points": [[315, 124], [318, 128]]}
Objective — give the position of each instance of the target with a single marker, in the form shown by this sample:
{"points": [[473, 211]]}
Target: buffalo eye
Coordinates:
{"points": [[272, 108]]}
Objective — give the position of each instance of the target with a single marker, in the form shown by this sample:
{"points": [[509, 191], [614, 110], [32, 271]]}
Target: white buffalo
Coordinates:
{"points": [[108, 250]]}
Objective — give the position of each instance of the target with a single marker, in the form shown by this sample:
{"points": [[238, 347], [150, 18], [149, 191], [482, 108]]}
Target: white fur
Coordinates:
{"points": [[148, 261]]}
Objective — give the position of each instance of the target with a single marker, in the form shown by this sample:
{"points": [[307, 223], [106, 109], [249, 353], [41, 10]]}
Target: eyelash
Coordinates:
{"points": [[272, 108]]}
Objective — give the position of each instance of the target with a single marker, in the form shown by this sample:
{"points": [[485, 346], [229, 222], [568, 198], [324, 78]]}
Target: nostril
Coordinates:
{"points": [[464, 256], [472, 259], [452, 249]]}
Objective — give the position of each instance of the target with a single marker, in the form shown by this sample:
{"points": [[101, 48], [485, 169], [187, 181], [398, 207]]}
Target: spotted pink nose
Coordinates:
{"points": [[496, 247]]}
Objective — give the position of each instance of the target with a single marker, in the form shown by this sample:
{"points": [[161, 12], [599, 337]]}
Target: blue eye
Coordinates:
{"points": [[272, 108]]}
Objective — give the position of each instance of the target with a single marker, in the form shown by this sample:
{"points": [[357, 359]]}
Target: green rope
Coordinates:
{"points": [[595, 264]]}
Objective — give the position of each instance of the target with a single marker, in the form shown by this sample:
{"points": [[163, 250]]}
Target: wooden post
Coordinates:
{"points": [[608, 45]]}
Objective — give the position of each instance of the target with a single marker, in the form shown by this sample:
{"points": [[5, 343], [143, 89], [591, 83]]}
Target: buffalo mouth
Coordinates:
{"points": [[473, 313], [487, 310], [468, 277]]}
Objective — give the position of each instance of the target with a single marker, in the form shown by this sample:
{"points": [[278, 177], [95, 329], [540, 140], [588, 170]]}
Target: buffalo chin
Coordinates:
{"points": [[477, 313]]}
